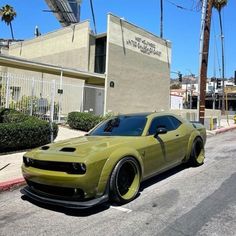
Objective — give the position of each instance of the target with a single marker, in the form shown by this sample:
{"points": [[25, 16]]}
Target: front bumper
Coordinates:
{"points": [[64, 203], [60, 179]]}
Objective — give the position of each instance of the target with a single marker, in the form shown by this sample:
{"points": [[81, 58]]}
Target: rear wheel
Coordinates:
{"points": [[197, 155], [125, 180]]}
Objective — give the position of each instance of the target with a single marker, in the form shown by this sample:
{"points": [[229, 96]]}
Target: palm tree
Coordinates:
{"points": [[93, 15], [161, 22], [8, 14], [219, 4]]}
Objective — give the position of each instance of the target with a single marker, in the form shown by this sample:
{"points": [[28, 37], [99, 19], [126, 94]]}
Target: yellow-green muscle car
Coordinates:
{"points": [[112, 160]]}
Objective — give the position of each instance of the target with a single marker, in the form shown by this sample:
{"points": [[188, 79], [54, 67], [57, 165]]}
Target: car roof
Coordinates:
{"points": [[161, 113], [144, 114], [149, 114]]}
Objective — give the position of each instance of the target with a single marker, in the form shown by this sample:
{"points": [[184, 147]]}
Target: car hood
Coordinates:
{"points": [[82, 147]]}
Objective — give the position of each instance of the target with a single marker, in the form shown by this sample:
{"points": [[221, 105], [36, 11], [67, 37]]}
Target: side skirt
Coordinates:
{"points": [[163, 170]]}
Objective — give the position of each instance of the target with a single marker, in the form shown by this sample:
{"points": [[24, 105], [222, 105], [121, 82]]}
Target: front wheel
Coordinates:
{"points": [[197, 155], [125, 180]]}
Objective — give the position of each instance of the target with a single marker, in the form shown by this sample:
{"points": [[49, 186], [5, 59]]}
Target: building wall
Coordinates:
{"points": [[138, 63], [67, 47], [72, 47], [92, 40]]}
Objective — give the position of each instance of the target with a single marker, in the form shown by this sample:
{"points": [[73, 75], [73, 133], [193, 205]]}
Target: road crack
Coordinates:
{"points": [[5, 166]]}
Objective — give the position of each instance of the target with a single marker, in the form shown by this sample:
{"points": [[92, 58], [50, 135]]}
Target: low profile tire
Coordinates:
{"points": [[197, 155], [125, 180]]}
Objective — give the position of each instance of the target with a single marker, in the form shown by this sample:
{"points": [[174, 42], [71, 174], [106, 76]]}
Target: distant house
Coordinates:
{"points": [[176, 102]]}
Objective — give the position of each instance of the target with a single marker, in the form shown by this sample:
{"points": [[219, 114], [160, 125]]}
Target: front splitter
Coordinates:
{"points": [[64, 203]]}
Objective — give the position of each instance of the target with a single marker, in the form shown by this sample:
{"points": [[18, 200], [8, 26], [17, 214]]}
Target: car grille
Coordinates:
{"points": [[59, 192], [67, 167]]}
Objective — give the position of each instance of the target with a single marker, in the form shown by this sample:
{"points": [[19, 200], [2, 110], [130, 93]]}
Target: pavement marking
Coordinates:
{"points": [[126, 210]]}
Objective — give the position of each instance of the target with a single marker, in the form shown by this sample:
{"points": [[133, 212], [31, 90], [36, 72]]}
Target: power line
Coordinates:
{"points": [[192, 9]]}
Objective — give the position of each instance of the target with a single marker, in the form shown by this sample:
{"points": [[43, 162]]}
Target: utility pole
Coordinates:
{"points": [[161, 22], [203, 16], [223, 63], [204, 60]]}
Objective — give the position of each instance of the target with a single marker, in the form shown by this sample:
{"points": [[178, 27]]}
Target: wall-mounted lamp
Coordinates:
{"points": [[112, 84]]}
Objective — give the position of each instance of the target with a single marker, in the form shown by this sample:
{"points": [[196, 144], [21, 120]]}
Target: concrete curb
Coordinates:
{"points": [[211, 133], [223, 130], [11, 183]]}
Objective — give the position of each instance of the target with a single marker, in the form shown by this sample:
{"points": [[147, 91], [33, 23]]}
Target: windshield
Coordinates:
{"points": [[121, 126]]}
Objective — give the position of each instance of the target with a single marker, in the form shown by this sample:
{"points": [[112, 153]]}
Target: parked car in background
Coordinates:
{"points": [[112, 160]]}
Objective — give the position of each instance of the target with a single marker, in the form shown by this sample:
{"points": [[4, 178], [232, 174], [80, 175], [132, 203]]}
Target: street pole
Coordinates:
{"points": [[214, 94], [204, 61], [223, 64], [203, 16], [161, 23]]}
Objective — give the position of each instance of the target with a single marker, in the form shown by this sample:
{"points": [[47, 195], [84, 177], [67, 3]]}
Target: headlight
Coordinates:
{"points": [[27, 161], [68, 167], [78, 168]]}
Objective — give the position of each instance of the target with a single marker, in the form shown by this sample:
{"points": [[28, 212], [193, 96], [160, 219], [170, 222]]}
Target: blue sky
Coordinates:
{"points": [[181, 27]]}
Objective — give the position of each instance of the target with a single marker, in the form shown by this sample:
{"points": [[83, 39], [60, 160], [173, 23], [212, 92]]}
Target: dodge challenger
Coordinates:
{"points": [[111, 161]]}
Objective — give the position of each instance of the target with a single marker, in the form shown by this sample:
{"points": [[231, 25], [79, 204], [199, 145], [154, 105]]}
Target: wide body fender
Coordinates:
{"points": [[192, 137], [110, 164]]}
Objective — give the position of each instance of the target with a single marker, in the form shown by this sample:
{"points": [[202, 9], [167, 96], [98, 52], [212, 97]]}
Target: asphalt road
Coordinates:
{"points": [[184, 201]]}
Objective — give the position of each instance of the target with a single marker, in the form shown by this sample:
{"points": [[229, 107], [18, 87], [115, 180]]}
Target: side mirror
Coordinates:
{"points": [[160, 130]]}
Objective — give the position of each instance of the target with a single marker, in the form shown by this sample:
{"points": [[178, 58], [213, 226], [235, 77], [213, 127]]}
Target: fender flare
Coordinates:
{"points": [[192, 137], [110, 164]]}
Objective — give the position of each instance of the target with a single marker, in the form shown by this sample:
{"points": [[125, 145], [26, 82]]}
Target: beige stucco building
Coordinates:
{"points": [[135, 65]]}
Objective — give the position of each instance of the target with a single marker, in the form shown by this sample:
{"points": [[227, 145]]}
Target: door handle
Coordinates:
{"points": [[177, 135]]}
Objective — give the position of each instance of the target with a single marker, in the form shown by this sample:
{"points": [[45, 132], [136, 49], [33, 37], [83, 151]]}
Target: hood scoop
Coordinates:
{"points": [[67, 149]]}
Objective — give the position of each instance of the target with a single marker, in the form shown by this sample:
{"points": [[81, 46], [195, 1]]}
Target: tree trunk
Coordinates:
{"points": [[12, 35], [93, 15], [161, 22]]}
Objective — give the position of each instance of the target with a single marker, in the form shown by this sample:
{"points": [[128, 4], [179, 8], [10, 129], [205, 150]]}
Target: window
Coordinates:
{"points": [[168, 122], [100, 55], [121, 126], [176, 123]]}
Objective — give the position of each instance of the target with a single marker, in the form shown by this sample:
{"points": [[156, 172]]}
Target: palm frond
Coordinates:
{"points": [[219, 4]]}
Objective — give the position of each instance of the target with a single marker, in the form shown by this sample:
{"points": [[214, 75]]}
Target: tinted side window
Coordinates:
{"points": [[176, 123], [162, 121]]}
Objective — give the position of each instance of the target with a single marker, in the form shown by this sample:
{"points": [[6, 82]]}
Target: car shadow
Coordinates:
{"points": [[67, 211], [158, 178]]}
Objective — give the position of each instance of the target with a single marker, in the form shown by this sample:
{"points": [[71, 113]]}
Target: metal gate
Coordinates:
{"points": [[48, 100]]}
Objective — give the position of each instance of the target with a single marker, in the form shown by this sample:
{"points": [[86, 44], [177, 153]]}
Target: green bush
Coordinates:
{"points": [[83, 121], [11, 116], [19, 131]]}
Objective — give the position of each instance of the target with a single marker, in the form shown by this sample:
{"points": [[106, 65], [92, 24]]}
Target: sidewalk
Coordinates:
{"points": [[10, 164], [225, 125]]}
